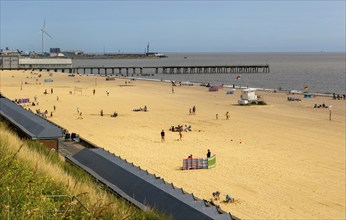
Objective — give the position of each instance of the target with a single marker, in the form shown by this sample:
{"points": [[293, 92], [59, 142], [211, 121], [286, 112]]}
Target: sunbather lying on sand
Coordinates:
{"points": [[145, 109]]}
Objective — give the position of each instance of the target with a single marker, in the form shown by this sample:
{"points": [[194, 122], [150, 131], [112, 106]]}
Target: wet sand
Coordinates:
{"points": [[284, 160]]}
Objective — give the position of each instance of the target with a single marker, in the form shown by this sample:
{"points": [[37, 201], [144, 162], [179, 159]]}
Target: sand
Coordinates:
{"points": [[284, 160]]}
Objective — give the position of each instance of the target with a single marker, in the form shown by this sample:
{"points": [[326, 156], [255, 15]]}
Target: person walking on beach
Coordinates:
{"points": [[194, 110], [208, 154], [227, 115], [180, 135], [94, 91], [162, 136], [101, 112], [190, 111]]}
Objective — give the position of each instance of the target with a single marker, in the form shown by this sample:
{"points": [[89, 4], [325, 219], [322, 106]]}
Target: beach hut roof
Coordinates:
{"points": [[143, 189], [32, 125]]}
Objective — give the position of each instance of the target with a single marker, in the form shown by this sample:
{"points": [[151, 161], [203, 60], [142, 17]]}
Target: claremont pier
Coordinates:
{"points": [[151, 70]]}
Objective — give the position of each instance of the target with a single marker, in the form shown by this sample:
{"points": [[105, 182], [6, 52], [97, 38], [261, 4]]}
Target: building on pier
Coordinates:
{"points": [[9, 61], [26, 63], [15, 61]]}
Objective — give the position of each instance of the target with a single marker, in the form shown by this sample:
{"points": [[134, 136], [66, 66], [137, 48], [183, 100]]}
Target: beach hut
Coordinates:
{"points": [[248, 96], [30, 125]]}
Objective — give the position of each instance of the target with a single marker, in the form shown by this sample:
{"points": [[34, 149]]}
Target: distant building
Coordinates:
{"points": [[17, 62], [8, 52], [9, 61], [153, 54], [73, 52], [54, 50]]}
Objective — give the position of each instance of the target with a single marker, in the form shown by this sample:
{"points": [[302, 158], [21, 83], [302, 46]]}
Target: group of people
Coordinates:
{"points": [[44, 114], [226, 116], [339, 96], [115, 114], [321, 106], [192, 111], [144, 109], [293, 99], [46, 92], [180, 128], [208, 155], [228, 198]]}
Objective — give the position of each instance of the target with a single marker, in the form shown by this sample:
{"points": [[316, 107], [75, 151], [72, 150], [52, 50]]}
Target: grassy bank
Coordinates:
{"points": [[36, 183]]}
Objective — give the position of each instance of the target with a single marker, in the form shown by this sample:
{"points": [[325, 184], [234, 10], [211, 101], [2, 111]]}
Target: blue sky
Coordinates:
{"points": [[174, 26]]}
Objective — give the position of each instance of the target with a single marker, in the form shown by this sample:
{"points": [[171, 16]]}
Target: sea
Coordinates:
{"points": [[315, 72]]}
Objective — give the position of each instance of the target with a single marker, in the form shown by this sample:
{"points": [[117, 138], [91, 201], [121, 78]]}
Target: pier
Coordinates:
{"points": [[151, 70]]}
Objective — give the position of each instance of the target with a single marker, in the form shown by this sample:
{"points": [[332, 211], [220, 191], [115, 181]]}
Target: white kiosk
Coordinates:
{"points": [[248, 96]]}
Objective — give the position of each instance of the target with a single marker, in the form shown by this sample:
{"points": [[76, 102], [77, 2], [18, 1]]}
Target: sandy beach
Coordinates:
{"points": [[283, 160]]}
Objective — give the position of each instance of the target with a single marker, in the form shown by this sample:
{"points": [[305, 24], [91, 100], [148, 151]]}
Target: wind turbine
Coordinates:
{"points": [[43, 30]]}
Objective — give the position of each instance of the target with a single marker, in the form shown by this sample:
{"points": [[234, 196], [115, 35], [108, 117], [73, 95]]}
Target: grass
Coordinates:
{"points": [[32, 174]]}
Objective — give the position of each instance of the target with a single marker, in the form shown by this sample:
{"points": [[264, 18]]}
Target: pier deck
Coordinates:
{"points": [[151, 70]]}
